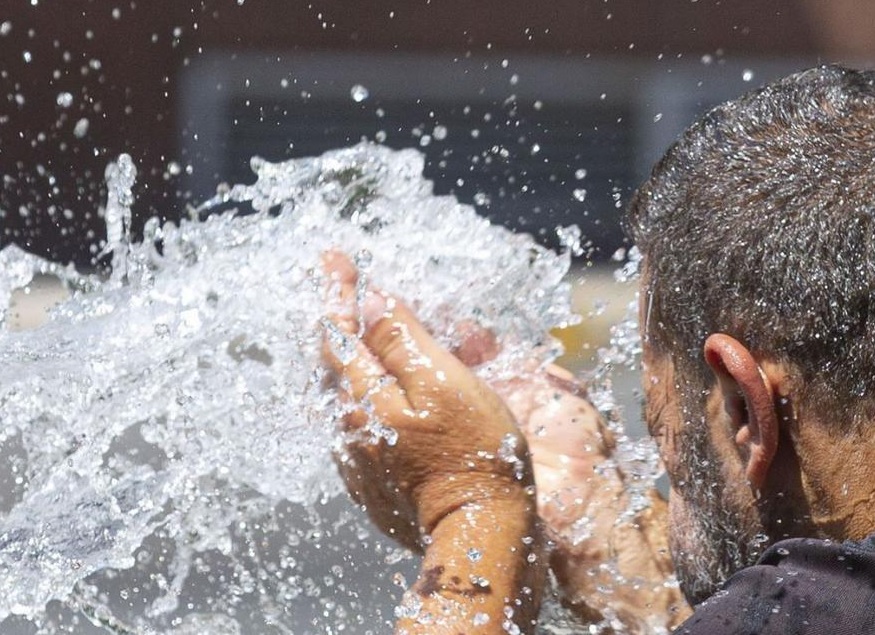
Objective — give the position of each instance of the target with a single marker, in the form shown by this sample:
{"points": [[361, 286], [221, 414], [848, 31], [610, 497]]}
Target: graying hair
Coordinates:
{"points": [[759, 223]]}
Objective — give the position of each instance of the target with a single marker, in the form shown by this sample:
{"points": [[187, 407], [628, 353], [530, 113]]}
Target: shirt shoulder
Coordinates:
{"points": [[799, 587]]}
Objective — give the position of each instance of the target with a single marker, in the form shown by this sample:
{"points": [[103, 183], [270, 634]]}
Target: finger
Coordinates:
{"points": [[365, 378], [399, 342], [342, 291], [338, 266], [402, 345], [362, 376], [564, 380]]}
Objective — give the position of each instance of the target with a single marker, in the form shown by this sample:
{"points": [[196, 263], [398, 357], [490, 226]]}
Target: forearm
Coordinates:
{"points": [[482, 572]]}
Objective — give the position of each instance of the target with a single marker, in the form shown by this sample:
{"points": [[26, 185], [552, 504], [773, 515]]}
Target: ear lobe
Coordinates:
{"points": [[749, 402]]}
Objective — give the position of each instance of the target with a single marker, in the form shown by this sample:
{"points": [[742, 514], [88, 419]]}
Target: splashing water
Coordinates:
{"points": [[180, 403]]}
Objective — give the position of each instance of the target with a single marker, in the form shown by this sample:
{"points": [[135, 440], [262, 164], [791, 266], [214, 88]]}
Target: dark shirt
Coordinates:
{"points": [[798, 586]]}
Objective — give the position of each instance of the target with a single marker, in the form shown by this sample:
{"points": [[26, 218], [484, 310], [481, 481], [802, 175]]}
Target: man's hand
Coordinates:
{"points": [[612, 565], [452, 440], [452, 473]]}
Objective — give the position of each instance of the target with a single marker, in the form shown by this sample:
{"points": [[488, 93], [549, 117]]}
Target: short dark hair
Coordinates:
{"points": [[760, 223]]}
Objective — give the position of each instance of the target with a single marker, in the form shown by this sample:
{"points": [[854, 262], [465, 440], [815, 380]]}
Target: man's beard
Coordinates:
{"points": [[711, 536]]}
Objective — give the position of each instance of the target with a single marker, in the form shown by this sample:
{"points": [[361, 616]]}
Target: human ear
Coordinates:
{"points": [[748, 400]]}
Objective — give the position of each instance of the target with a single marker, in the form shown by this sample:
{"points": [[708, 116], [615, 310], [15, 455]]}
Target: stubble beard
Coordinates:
{"points": [[711, 537]]}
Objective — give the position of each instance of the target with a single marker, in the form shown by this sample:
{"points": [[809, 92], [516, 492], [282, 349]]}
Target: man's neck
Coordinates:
{"points": [[837, 478]]}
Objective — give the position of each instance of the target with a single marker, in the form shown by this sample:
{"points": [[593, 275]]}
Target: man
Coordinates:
{"points": [[758, 324]]}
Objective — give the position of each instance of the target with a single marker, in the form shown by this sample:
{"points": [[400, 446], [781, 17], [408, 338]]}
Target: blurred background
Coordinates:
{"points": [[539, 114]]}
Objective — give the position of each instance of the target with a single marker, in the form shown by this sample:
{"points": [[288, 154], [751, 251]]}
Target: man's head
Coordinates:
{"points": [[758, 235]]}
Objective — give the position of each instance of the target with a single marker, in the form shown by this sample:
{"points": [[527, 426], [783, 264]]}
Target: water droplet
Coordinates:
{"points": [[5, 28], [359, 93], [569, 238], [507, 448], [81, 128], [479, 581], [474, 555], [580, 194], [747, 75], [64, 99], [390, 435]]}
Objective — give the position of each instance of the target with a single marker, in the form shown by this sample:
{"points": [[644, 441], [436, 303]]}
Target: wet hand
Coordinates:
{"points": [[583, 501], [608, 561], [450, 442], [567, 438]]}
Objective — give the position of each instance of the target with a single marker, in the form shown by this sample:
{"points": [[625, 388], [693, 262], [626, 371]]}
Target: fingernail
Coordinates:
{"points": [[374, 308], [338, 266], [329, 263]]}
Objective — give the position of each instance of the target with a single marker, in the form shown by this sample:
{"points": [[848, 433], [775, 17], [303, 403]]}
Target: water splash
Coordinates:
{"points": [[637, 458], [179, 408], [120, 178]]}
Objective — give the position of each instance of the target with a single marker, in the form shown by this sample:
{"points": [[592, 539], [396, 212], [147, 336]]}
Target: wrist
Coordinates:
{"points": [[502, 481], [441, 498], [483, 569]]}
